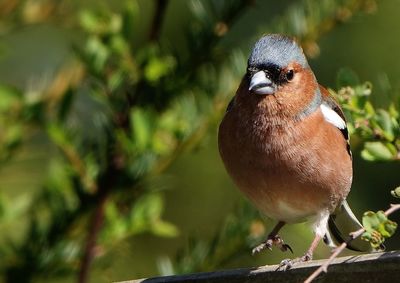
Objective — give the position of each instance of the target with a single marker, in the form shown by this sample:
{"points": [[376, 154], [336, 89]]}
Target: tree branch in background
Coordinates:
{"points": [[95, 227], [105, 184], [339, 249], [161, 7]]}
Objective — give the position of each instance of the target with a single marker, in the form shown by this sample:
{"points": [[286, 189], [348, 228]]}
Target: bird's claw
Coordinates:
{"points": [[272, 241], [288, 263], [262, 246], [286, 247], [285, 264], [307, 257]]}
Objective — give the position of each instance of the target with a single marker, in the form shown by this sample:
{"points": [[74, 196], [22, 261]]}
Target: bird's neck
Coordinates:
{"points": [[312, 106]]}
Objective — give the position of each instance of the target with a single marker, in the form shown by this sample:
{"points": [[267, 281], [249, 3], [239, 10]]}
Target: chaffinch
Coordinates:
{"points": [[285, 144]]}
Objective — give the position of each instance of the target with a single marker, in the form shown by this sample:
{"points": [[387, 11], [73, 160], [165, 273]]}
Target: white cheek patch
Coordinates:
{"points": [[332, 117]]}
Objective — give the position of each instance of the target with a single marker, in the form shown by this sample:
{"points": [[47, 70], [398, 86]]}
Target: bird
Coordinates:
{"points": [[284, 142]]}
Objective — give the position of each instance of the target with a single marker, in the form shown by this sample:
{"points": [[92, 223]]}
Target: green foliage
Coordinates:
{"points": [[378, 129], [374, 151], [396, 192], [117, 115], [238, 234], [308, 20], [123, 108], [377, 227], [158, 68], [144, 216]]}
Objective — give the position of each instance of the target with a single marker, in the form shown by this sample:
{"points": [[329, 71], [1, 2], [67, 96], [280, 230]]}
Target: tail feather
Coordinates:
{"points": [[341, 223]]}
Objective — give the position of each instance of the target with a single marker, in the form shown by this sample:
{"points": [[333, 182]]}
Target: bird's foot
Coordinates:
{"points": [[306, 257], [288, 263], [275, 240]]}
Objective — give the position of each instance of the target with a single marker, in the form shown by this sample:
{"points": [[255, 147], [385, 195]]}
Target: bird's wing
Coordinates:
{"points": [[334, 114], [331, 102], [342, 221]]}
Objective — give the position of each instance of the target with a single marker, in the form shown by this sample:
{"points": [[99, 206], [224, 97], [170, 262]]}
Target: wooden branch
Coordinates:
{"points": [[375, 267]]}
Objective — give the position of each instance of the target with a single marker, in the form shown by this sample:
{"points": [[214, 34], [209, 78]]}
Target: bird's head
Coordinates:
{"points": [[278, 67]]}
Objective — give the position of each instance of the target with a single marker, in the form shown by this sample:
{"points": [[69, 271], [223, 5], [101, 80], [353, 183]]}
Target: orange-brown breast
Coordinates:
{"points": [[289, 169]]}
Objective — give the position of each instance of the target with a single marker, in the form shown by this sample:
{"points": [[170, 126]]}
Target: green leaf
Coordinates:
{"points": [[89, 21], [392, 148], [396, 192], [116, 80], [364, 89], [9, 97], [388, 228], [384, 122], [370, 220], [100, 23], [165, 229], [146, 216], [116, 223], [115, 23], [159, 67], [377, 151], [98, 53], [146, 210], [163, 142], [369, 108], [385, 226], [377, 227], [393, 111], [141, 128], [118, 44]]}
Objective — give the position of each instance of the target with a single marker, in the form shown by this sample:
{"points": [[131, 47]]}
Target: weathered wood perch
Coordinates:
{"points": [[376, 267]]}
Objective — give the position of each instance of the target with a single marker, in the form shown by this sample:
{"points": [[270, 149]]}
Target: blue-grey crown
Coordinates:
{"points": [[278, 50]]}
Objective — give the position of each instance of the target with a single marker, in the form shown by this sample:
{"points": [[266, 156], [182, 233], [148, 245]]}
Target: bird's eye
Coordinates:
{"points": [[289, 75]]}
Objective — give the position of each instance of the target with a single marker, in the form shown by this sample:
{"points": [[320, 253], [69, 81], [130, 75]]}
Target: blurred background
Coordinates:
{"points": [[108, 119]]}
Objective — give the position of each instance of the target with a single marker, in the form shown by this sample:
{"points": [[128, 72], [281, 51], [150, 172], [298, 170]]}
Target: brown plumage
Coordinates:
{"points": [[283, 140]]}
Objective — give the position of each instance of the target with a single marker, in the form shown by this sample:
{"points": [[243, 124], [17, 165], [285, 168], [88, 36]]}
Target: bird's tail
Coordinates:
{"points": [[341, 223]]}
